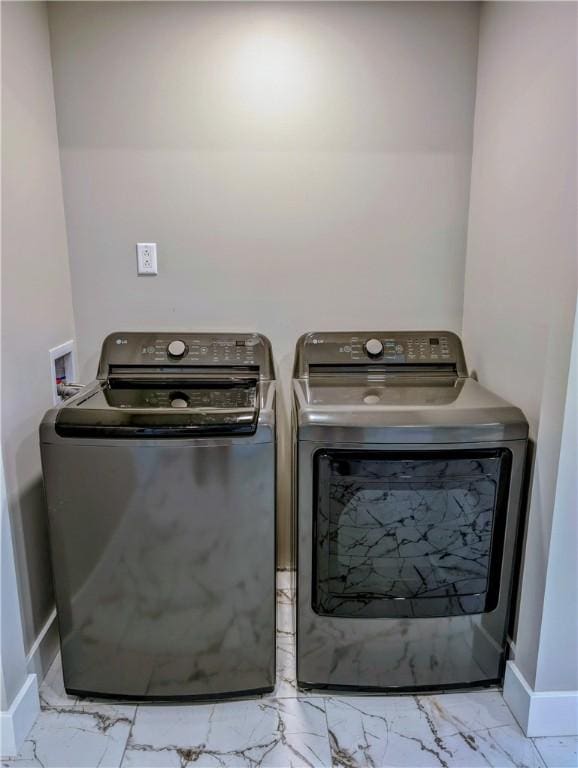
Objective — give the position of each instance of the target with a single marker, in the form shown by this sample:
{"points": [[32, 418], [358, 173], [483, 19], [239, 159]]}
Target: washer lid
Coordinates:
{"points": [[173, 408]]}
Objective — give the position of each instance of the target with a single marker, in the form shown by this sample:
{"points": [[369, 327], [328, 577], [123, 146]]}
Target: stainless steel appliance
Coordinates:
{"points": [[160, 482], [407, 484]]}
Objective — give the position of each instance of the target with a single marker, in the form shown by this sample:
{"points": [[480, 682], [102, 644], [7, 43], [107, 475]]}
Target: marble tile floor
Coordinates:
{"points": [[288, 728]]}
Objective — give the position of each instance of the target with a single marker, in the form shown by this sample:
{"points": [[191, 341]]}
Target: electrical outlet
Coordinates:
{"points": [[146, 254]]}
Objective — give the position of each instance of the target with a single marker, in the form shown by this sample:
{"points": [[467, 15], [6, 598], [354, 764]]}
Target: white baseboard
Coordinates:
{"points": [[15, 724], [540, 713], [19, 719]]}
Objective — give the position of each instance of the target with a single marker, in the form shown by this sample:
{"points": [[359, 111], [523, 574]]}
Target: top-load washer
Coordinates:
{"points": [[407, 480], [160, 483]]}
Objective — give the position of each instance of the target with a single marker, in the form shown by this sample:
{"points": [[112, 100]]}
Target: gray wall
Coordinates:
{"points": [[325, 190], [36, 301], [520, 290]]}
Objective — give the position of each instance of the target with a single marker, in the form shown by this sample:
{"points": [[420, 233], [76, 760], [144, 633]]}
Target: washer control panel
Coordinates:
{"points": [[374, 348], [200, 349]]}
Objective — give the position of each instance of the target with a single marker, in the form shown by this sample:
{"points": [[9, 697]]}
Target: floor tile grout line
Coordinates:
{"points": [[128, 736], [537, 748], [324, 699]]}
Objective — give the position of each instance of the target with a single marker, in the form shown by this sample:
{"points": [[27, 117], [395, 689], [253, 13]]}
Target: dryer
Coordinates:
{"points": [[407, 479], [160, 486]]}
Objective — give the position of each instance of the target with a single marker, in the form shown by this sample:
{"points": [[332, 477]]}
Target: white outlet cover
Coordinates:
{"points": [[146, 254], [68, 351]]}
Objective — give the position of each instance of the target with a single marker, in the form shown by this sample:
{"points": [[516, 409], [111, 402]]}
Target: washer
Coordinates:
{"points": [[407, 481], [160, 484]]}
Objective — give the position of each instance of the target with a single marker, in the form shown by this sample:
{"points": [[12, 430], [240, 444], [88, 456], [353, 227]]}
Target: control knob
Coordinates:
{"points": [[373, 347], [177, 348]]}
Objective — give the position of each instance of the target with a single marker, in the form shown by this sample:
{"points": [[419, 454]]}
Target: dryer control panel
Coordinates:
{"points": [[198, 350], [426, 349]]}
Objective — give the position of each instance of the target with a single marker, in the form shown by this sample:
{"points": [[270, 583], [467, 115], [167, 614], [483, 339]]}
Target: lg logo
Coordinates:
{"points": [[122, 341]]}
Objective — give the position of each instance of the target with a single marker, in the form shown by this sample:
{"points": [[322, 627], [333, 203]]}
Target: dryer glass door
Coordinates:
{"points": [[408, 534]]}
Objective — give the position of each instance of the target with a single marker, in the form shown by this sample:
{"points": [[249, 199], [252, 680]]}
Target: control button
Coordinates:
{"points": [[373, 347], [399, 349], [176, 348]]}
